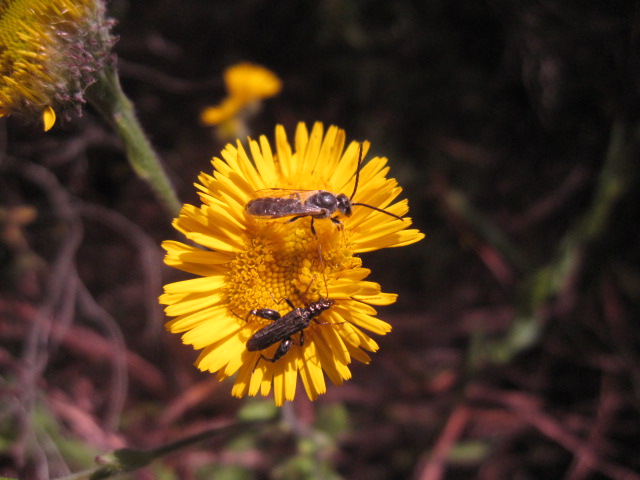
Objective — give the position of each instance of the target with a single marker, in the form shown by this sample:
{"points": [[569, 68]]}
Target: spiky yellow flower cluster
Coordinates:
{"points": [[251, 262], [50, 51]]}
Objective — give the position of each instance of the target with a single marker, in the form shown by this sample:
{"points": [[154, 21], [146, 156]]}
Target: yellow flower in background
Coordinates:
{"points": [[247, 84], [49, 53], [250, 263]]}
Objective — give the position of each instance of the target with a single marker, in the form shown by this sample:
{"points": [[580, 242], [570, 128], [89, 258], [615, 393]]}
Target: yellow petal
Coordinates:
{"points": [[257, 263], [48, 118]]}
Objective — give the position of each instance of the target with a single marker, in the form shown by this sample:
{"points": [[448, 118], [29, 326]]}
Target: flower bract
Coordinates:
{"points": [[248, 263]]}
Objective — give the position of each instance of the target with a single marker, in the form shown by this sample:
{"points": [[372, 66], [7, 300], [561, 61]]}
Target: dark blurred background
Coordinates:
{"points": [[513, 127]]}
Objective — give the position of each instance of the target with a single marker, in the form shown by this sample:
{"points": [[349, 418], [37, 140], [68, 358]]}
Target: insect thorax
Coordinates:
{"points": [[325, 200]]}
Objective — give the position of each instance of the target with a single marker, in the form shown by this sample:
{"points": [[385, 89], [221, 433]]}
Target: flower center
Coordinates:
{"points": [[285, 260], [49, 51]]}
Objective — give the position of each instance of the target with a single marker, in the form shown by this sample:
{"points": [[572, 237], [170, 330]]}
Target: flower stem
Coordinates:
{"points": [[127, 460], [107, 97], [618, 174]]}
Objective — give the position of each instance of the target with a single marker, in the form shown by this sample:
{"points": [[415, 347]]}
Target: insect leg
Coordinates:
{"points": [[327, 323], [284, 347], [266, 313], [293, 219], [278, 302], [313, 230], [336, 220]]}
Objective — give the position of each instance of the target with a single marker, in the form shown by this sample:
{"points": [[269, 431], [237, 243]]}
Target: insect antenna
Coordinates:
{"points": [[303, 295], [379, 210], [355, 188], [326, 287]]}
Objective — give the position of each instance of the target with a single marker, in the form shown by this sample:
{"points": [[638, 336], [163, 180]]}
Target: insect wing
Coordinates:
{"points": [[282, 202], [293, 322]]}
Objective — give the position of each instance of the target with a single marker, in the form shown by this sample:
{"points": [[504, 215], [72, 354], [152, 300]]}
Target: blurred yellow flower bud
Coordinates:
{"points": [[247, 84]]}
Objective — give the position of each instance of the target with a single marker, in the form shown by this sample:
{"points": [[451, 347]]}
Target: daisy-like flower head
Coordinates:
{"points": [[251, 263], [49, 53], [247, 84]]}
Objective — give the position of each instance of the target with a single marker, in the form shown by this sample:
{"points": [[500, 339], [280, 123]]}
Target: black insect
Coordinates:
{"points": [[281, 202], [284, 327]]}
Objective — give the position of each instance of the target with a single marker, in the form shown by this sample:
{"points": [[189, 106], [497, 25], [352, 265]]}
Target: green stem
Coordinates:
{"points": [[614, 181], [127, 459], [107, 97], [616, 177]]}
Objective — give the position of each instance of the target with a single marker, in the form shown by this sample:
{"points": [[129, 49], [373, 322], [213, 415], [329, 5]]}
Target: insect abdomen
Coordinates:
{"points": [[292, 323], [273, 207]]}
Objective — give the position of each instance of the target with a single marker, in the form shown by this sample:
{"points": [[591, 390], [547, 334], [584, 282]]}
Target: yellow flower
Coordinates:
{"points": [[254, 263], [49, 52], [247, 82], [246, 85]]}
